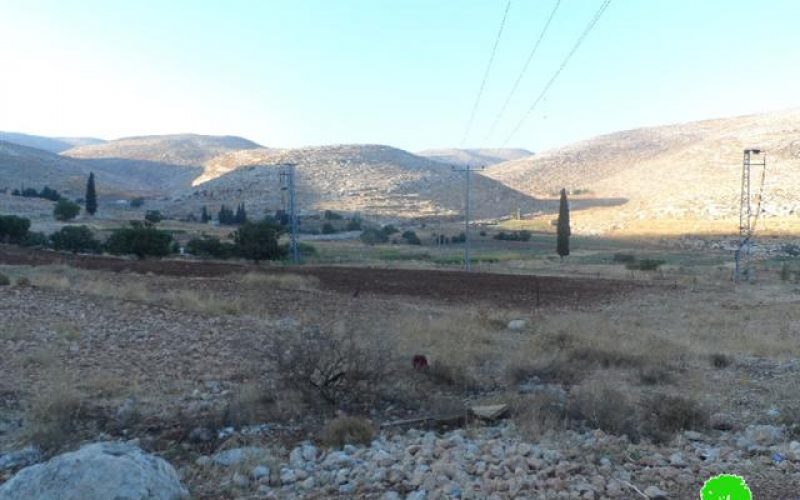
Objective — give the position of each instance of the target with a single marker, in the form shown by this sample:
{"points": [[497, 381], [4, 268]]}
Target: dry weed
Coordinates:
{"points": [[281, 280], [347, 430], [53, 415]]}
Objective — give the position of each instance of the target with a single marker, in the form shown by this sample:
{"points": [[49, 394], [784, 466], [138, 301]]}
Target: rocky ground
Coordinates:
{"points": [[497, 462], [166, 363]]}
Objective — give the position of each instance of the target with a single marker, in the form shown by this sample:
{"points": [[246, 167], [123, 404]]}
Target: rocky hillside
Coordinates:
{"points": [[475, 157], [679, 173], [371, 179]]}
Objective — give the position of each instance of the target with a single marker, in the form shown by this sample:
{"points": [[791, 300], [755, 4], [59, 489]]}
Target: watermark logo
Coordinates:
{"points": [[726, 487]]}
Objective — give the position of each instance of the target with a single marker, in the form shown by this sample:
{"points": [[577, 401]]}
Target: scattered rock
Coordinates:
{"points": [[236, 456], [490, 412], [764, 435], [200, 435], [656, 493], [22, 458], [517, 324], [97, 471]]}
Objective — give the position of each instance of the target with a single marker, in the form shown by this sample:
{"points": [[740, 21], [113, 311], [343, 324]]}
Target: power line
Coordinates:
{"points": [[563, 65], [486, 73], [524, 70]]}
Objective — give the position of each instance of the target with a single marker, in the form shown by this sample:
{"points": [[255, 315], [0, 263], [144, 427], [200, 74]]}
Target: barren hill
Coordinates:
{"points": [[674, 178], [474, 157], [51, 144], [182, 150], [370, 179]]}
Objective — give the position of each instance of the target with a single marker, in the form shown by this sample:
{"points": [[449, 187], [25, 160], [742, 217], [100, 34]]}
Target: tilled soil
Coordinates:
{"points": [[451, 287]]}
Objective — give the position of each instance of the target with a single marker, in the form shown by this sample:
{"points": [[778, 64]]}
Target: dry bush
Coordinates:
{"points": [[456, 376], [334, 366], [53, 416], [4, 280], [23, 281], [655, 375], [347, 430], [281, 280], [537, 413], [601, 406], [253, 403], [719, 360], [666, 415]]}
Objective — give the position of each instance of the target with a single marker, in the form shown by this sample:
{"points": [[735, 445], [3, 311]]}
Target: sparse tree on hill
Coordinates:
{"points": [[562, 228], [204, 215], [91, 195]]}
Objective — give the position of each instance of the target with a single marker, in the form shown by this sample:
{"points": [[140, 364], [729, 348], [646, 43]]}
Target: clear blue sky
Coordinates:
{"points": [[402, 72]]}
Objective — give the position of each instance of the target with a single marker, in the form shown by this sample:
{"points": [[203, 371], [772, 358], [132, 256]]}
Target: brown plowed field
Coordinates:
{"points": [[508, 290]]}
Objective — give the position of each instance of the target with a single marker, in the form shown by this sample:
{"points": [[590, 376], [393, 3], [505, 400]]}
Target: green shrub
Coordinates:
{"points": [[210, 246], [137, 202], [139, 240], [37, 239], [13, 229], [354, 224], [373, 236], [390, 229], [650, 264], [329, 215], [411, 238], [259, 241], [66, 210], [75, 239], [623, 258], [513, 236], [153, 217], [4, 280], [328, 228]]}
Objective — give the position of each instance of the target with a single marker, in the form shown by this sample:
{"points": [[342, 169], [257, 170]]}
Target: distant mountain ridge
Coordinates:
{"points": [[51, 144], [474, 156]]}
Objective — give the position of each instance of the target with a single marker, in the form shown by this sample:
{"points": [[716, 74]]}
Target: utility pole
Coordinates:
{"points": [[747, 219], [287, 185], [467, 172]]}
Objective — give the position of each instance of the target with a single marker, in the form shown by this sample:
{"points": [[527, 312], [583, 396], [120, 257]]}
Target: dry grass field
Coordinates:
{"points": [[89, 353]]}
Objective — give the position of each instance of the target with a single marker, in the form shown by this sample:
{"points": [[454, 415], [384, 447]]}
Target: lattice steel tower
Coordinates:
{"points": [[748, 219]]}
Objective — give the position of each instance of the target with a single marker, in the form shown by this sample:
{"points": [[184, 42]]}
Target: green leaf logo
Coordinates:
{"points": [[726, 487]]}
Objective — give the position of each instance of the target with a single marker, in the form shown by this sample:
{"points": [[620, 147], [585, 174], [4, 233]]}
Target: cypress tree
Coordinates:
{"points": [[91, 195], [563, 230], [204, 217]]}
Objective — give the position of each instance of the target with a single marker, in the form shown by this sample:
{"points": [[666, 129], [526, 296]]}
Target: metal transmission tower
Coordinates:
{"points": [[748, 219], [467, 173], [287, 186]]}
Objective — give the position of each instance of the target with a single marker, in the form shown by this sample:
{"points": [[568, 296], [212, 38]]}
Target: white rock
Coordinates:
{"points": [[655, 492], [259, 471], [235, 456], [97, 471], [517, 324]]}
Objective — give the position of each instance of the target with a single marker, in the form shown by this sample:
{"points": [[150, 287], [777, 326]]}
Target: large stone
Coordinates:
{"points": [[97, 471], [721, 421], [764, 435], [517, 324]]}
